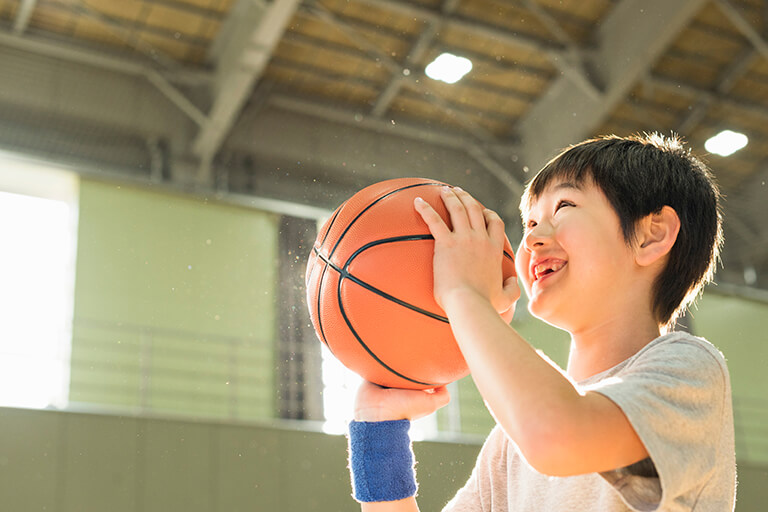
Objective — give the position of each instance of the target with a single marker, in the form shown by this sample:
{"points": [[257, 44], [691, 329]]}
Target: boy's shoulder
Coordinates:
{"points": [[679, 354], [682, 345]]}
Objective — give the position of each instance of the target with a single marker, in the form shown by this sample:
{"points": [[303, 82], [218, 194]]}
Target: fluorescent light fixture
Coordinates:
{"points": [[448, 68], [726, 143]]}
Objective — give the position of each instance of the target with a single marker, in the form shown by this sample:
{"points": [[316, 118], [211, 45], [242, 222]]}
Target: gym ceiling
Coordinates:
{"points": [[295, 105]]}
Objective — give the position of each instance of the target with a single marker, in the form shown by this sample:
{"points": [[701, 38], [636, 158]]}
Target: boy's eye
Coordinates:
{"points": [[562, 203]]}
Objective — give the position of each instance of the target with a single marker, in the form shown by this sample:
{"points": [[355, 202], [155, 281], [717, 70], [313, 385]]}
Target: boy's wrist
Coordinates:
{"points": [[381, 461], [374, 414], [457, 298]]}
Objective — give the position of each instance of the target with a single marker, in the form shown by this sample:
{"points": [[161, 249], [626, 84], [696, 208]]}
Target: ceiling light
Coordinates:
{"points": [[448, 67], [726, 143]]}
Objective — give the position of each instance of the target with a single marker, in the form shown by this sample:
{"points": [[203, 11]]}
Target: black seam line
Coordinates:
{"points": [[319, 316], [360, 340], [371, 206], [330, 224], [344, 273], [322, 277]]}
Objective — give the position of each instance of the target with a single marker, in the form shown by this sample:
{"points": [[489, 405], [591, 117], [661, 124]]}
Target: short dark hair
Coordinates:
{"points": [[639, 175]]}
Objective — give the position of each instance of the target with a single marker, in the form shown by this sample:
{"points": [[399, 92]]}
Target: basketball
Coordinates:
{"points": [[369, 288]]}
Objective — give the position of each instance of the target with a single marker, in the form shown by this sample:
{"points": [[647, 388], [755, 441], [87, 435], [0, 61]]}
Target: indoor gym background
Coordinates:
{"points": [[155, 352]]}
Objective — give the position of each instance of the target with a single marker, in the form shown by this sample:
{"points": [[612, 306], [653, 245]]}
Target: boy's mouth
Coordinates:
{"points": [[546, 267]]}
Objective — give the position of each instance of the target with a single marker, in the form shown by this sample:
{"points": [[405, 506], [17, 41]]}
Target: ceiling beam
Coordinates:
{"points": [[101, 59], [728, 79], [559, 55], [743, 26], [417, 52], [242, 57], [414, 80], [23, 15], [748, 108], [630, 40], [163, 80], [401, 129]]}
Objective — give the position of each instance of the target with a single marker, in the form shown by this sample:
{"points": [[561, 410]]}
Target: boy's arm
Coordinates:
{"points": [[559, 431], [406, 505]]}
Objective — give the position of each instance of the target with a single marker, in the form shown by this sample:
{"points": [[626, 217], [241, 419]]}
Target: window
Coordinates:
{"points": [[339, 387], [38, 231]]}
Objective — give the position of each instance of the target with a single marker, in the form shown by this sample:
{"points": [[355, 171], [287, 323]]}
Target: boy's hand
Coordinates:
{"points": [[469, 257], [375, 403]]}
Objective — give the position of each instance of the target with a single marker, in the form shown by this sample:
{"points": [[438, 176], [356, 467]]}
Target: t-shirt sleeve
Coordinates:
{"points": [[479, 492], [673, 395], [467, 499]]}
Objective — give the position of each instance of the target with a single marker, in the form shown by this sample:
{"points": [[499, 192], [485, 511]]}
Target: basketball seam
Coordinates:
{"points": [[345, 274], [380, 198], [322, 275]]}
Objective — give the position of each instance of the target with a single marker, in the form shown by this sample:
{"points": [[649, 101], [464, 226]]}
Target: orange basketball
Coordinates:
{"points": [[369, 288]]}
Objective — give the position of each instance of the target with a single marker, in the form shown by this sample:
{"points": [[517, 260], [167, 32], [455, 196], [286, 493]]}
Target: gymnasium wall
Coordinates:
{"points": [[174, 304], [74, 462]]}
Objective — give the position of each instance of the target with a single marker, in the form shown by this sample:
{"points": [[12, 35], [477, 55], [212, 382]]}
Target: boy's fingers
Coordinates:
{"points": [[474, 210], [495, 227], [434, 222], [455, 208]]}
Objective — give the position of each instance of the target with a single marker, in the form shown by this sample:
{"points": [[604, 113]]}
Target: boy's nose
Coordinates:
{"points": [[537, 236]]}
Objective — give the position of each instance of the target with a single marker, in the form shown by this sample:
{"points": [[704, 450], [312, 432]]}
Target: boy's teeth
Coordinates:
{"points": [[543, 267]]}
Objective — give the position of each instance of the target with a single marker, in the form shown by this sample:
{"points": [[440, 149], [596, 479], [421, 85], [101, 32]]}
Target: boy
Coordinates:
{"points": [[620, 235]]}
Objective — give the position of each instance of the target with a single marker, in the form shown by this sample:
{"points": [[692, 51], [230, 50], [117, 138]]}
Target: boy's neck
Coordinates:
{"points": [[603, 347]]}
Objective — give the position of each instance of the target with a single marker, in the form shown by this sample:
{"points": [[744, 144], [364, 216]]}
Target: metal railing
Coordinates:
{"points": [[151, 370]]}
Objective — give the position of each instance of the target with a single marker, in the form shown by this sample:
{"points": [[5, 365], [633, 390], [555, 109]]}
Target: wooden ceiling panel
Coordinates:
{"points": [[496, 50], [288, 79], [510, 16], [687, 71], [374, 16], [176, 49], [8, 9], [709, 47], [578, 19], [753, 87], [339, 64], [415, 108], [468, 100], [175, 20], [346, 33]]}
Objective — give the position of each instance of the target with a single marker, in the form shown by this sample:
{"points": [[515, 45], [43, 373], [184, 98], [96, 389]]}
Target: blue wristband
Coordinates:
{"points": [[381, 460]]}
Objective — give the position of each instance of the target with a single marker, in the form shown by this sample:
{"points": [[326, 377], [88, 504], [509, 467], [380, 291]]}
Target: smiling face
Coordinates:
{"points": [[574, 262]]}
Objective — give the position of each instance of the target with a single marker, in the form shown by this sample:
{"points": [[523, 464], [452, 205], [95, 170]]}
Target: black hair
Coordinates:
{"points": [[640, 175]]}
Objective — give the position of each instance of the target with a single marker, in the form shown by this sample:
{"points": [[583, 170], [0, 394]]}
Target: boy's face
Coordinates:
{"points": [[573, 260]]}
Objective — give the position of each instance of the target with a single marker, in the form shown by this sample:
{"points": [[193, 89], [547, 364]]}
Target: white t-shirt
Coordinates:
{"points": [[676, 393]]}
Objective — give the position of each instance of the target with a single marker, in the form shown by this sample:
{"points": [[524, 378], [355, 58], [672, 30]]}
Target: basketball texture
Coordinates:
{"points": [[369, 288]]}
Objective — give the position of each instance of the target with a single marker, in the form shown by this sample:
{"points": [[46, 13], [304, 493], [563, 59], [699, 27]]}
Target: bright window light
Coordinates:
{"points": [[339, 388], [36, 287], [726, 143], [448, 68]]}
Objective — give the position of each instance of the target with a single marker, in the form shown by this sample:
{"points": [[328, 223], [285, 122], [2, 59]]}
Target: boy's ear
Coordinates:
{"points": [[656, 234]]}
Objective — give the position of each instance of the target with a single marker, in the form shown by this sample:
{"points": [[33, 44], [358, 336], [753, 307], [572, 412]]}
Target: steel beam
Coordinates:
{"points": [[631, 38], [23, 15], [417, 52], [401, 129], [242, 58]]}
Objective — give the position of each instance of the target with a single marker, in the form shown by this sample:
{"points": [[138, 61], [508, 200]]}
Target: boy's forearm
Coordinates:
{"points": [[406, 505], [528, 395]]}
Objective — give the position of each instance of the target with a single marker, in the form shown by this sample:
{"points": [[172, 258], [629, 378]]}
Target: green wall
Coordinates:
{"points": [[70, 462], [174, 304]]}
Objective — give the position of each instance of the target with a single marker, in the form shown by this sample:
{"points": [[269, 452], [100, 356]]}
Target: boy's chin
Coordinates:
{"points": [[547, 316]]}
